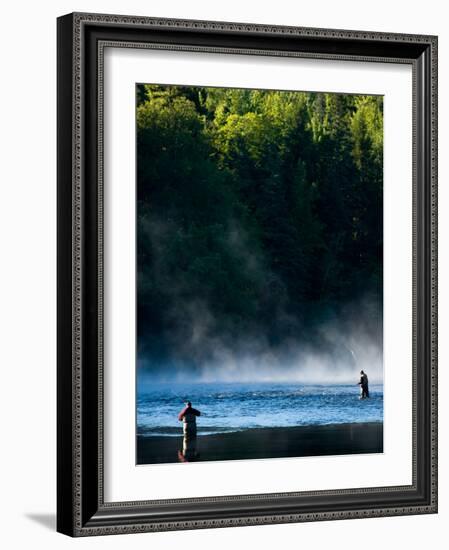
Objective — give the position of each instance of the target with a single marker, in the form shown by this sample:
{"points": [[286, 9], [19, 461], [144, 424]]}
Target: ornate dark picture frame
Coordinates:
{"points": [[81, 510]]}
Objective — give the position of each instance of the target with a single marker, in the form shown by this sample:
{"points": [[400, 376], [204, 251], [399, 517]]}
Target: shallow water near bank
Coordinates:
{"points": [[233, 407]]}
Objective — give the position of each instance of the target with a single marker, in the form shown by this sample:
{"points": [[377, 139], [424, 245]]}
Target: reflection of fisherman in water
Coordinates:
{"points": [[189, 450], [188, 417], [364, 391]]}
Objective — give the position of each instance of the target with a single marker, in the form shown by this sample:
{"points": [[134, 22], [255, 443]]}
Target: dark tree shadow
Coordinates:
{"points": [[46, 520]]}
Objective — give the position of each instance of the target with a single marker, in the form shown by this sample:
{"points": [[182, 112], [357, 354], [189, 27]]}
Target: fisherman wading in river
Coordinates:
{"points": [[364, 391], [188, 417]]}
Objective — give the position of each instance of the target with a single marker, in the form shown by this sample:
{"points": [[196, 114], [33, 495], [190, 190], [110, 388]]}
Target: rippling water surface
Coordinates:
{"points": [[229, 407]]}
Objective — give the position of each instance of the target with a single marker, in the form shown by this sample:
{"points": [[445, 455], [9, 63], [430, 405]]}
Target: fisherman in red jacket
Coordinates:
{"points": [[188, 417]]}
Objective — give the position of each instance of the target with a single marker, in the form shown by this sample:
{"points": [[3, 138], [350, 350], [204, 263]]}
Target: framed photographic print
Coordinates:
{"points": [[247, 289]]}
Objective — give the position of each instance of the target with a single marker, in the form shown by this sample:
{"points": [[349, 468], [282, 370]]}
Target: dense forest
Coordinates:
{"points": [[259, 216]]}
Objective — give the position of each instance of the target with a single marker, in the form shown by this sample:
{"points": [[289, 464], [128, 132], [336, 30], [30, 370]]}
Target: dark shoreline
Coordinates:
{"points": [[298, 441]]}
